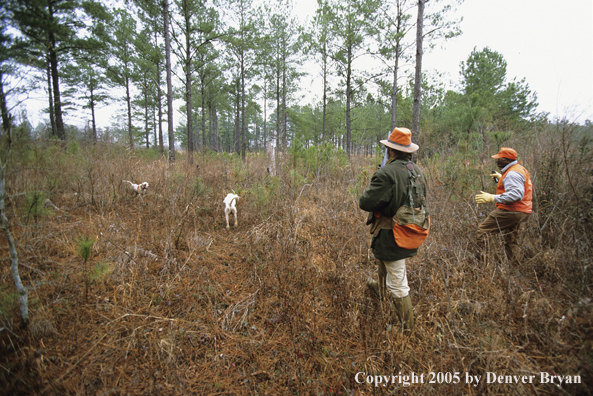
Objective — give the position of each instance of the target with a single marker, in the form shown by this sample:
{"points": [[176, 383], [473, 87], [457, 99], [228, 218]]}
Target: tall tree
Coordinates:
{"points": [[87, 72], [394, 24], [124, 56], [169, 72], [287, 38], [147, 71], [353, 23], [489, 97], [437, 27], [208, 73], [92, 81], [241, 39], [189, 11], [152, 52], [320, 42], [197, 29], [56, 27], [418, 71]]}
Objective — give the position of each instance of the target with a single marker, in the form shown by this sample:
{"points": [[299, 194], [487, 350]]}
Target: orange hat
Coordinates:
{"points": [[506, 152], [401, 139]]}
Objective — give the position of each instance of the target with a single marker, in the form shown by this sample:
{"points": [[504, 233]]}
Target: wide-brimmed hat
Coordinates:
{"points": [[401, 139], [506, 152]]}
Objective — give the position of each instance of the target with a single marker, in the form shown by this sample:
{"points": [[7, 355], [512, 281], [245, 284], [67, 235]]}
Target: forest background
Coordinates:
{"points": [[155, 296]]}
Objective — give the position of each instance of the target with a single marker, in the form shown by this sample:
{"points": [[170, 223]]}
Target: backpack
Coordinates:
{"points": [[412, 224]]}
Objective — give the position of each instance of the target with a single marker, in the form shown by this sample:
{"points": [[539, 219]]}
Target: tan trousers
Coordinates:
{"points": [[396, 280], [507, 223]]}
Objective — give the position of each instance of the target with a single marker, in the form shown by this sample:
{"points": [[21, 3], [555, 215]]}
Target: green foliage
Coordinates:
{"points": [[176, 177], [73, 147], [84, 246], [35, 206], [460, 173], [198, 187], [501, 137], [261, 194], [362, 181], [295, 179], [101, 271], [240, 170], [149, 154], [317, 161], [484, 84]]}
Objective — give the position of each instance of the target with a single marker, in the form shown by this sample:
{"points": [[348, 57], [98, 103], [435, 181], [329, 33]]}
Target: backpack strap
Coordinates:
{"points": [[415, 187]]}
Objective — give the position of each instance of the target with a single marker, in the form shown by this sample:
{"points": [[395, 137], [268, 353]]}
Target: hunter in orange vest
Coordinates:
{"points": [[513, 201]]}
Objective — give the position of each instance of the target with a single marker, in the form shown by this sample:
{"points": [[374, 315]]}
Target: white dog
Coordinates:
{"points": [[229, 207], [139, 189]]}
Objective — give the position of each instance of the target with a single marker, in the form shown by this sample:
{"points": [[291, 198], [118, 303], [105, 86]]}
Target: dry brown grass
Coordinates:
{"points": [[179, 305]]}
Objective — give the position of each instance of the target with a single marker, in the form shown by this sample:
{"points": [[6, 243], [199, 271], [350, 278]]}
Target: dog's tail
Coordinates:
{"points": [[124, 181]]}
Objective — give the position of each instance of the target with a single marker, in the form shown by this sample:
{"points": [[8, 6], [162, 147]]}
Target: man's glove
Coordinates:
{"points": [[484, 197], [495, 176]]}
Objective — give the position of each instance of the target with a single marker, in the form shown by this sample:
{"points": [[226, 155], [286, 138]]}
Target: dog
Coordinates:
{"points": [[230, 202], [139, 189]]}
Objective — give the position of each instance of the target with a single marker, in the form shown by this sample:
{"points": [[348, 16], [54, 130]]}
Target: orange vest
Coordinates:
{"points": [[525, 205]]}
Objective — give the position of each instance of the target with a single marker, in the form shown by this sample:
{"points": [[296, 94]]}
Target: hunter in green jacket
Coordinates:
{"points": [[389, 190]]}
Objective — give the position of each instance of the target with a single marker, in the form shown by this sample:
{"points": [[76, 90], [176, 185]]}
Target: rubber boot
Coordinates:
{"points": [[403, 309]]}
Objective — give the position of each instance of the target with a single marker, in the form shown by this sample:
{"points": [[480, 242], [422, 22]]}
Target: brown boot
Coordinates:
{"points": [[403, 309]]}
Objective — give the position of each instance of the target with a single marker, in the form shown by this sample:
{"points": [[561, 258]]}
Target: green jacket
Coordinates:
{"points": [[387, 192]]}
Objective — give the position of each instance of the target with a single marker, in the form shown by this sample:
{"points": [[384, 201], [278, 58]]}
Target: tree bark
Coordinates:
{"points": [[188, 103], [418, 74], [129, 103], [93, 117], [169, 82], [204, 137], [160, 105], [243, 143], [53, 61], [52, 117], [348, 94]]}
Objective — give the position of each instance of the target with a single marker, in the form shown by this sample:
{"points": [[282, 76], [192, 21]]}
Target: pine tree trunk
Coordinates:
{"points": [[53, 62], [348, 94], [418, 74], [129, 102], [52, 117], [160, 108], [93, 121], [169, 82], [204, 139], [243, 142], [190, 129]]}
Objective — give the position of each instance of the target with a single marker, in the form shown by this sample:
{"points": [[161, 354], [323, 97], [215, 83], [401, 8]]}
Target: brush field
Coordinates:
{"points": [[169, 302]]}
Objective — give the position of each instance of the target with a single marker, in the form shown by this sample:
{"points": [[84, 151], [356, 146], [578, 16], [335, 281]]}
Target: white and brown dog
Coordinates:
{"points": [[230, 202], [139, 189]]}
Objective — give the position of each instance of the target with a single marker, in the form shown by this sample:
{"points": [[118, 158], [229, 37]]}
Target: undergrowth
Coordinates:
{"points": [[166, 301]]}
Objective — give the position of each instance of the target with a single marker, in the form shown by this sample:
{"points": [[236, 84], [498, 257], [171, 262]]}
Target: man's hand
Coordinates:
{"points": [[495, 176], [484, 197]]}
